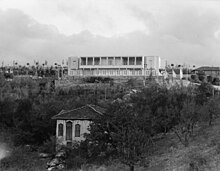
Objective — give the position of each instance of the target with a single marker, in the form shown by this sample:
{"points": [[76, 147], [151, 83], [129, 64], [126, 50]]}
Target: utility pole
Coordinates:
{"points": [[145, 66], [172, 71]]}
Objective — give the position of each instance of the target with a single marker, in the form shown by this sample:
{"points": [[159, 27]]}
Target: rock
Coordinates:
{"points": [[61, 154], [44, 155]]}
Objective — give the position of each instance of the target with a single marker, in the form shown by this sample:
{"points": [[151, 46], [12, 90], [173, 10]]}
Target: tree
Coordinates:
{"points": [[2, 83], [204, 92], [121, 132], [210, 110], [187, 118]]}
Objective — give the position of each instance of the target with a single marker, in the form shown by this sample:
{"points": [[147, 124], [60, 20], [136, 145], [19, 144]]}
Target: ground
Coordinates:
{"points": [[203, 152], [168, 154]]}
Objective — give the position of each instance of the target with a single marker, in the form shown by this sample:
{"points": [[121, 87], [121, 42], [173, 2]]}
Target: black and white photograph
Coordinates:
{"points": [[109, 85]]}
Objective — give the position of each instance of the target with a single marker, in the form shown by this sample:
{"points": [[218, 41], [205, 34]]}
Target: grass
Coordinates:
{"points": [[202, 154]]}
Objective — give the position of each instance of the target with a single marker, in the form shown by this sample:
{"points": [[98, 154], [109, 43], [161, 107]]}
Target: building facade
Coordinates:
{"points": [[208, 71], [71, 125], [115, 66]]}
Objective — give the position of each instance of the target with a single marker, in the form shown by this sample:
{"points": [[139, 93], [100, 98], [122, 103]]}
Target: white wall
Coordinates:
{"points": [[84, 125]]}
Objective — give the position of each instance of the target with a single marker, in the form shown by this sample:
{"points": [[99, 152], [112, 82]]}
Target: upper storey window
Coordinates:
{"points": [[117, 60], [138, 60], [83, 61], [90, 61], [131, 60], [104, 61], [97, 61], [124, 60], [110, 61]]}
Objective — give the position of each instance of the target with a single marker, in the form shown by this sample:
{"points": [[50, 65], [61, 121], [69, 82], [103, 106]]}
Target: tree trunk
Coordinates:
{"points": [[131, 167], [210, 119]]}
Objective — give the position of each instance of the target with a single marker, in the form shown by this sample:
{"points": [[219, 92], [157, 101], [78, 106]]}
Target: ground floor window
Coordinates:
{"points": [[77, 130], [69, 130], [60, 129]]}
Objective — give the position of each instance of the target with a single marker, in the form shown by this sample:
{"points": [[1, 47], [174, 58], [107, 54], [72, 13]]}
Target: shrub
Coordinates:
{"points": [[49, 146]]}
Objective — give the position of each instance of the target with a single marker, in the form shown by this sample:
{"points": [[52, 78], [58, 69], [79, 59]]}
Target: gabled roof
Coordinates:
{"points": [[87, 112], [207, 68]]}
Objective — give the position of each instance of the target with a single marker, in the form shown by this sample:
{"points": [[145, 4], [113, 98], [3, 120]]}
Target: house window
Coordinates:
{"points": [[77, 130], [69, 130], [60, 129]]}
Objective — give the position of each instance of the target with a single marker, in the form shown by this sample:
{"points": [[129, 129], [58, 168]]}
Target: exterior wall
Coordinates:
{"points": [[163, 63], [73, 63], [210, 73], [116, 66], [84, 125], [114, 72]]}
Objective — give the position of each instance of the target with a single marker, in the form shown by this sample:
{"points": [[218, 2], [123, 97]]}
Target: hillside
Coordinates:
{"points": [[203, 152], [168, 154]]}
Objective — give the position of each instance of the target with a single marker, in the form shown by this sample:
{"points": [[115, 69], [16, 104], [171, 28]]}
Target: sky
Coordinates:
{"points": [[183, 32]]}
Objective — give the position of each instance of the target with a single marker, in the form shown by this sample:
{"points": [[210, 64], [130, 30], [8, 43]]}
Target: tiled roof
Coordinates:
{"points": [[207, 68], [87, 112]]}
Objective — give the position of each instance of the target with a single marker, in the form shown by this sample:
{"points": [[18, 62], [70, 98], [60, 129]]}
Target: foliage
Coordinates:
{"points": [[48, 146], [98, 79], [187, 119], [202, 77], [121, 132], [210, 110], [195, 78], [204, 92], [127, 129]]}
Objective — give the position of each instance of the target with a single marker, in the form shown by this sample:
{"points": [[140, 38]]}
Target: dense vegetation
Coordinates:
{"points": [[127, 131]]}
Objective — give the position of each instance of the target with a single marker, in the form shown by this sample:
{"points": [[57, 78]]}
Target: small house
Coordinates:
{"points": [[71, 125]]}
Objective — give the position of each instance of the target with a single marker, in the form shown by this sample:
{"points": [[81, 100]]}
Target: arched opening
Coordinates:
{"points": [[77, 130], [60, 129], [69, 130]]}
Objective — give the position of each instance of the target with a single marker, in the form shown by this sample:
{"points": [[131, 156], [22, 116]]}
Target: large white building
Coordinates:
{"points": [[115, 65]]}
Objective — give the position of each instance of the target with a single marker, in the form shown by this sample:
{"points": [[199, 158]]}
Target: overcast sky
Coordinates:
{"points": [[180, 31]]}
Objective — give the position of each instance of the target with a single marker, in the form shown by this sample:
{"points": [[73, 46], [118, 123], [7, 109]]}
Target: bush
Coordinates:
{"points": [[98, 79], [49, 146], [76, 155]]}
